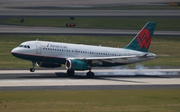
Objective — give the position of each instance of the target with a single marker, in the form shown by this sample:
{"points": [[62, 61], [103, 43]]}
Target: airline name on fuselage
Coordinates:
{"points": [[57, 46]]}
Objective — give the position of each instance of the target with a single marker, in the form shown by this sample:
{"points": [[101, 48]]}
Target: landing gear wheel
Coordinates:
{"points": [[33, 65], [32, 69], [90, 74], [70, 72]]}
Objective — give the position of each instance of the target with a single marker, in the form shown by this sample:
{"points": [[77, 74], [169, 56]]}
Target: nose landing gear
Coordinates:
{"points": [[32, 69], [33, 65]]}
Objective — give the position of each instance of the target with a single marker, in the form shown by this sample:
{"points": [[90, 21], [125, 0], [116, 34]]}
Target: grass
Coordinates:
{"points": [[160, 45], [126, 23], [91, 101]]}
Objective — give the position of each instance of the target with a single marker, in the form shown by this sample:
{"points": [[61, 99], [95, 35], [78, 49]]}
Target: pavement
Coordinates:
{"points": [[79, 3], [13, 29], [89, 13], [104, 78]]}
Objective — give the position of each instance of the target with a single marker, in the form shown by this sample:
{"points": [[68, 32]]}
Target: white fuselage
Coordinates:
{"points": [[44, 51]]}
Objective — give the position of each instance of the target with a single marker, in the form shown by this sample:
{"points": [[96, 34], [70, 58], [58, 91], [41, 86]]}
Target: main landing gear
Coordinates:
{"points": [[70, 72], [88, 74], [33, 65]]}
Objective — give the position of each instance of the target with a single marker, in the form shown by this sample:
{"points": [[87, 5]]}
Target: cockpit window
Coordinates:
{"points": [[20, 45], [25, 46]]}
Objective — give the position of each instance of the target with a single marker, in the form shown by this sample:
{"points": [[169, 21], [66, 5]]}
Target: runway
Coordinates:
{"points": [[11, 29], [78, 3], [33, 8], [89, 13], [105, 79]]}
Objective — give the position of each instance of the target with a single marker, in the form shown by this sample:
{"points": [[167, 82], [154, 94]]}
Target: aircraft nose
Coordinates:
{"points": [[12, 50], [15, 51]]}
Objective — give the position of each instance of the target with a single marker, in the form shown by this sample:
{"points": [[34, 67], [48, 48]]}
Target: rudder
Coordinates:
{"points": [[142, 40]]}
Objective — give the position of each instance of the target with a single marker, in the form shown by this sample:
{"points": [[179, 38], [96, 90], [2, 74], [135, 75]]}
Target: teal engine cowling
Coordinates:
{"points": [[76, 65]]}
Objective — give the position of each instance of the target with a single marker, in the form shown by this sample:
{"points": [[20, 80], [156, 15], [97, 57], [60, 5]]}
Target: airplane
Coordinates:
{"points": [[79, 57]]}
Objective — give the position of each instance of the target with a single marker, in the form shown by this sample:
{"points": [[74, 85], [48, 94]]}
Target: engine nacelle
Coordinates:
{"points": [[76, 65], [48, 64]]}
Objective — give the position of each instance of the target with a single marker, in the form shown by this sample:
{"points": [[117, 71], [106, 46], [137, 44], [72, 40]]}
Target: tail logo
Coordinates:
{"points": [[144, 38]]}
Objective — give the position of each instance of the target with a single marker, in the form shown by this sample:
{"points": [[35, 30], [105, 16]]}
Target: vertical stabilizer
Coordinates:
{"points": [[142, 40]]}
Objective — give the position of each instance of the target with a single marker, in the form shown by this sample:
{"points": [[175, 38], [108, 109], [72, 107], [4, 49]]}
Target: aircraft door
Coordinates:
{"points": [[38, 48], [76, 52]]}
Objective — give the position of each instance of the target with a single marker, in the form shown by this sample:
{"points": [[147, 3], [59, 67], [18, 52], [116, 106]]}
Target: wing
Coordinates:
{"points": [[102, 58], [81, 62]]}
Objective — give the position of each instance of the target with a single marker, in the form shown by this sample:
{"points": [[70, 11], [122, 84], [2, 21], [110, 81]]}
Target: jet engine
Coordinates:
{"points": [[48, 64], [76, 65]]}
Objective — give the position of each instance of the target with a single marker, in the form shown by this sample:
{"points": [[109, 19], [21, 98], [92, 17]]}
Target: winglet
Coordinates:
{"points": [[142, 40]]}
